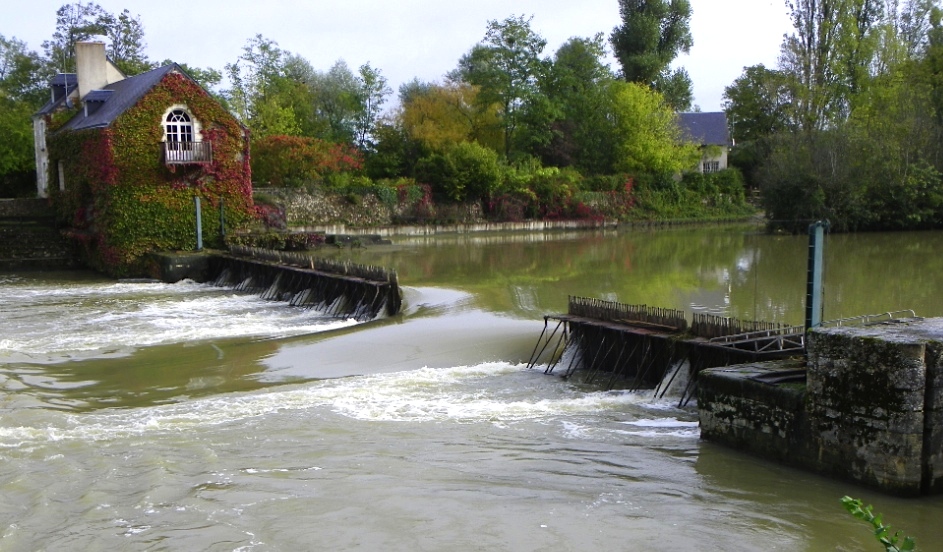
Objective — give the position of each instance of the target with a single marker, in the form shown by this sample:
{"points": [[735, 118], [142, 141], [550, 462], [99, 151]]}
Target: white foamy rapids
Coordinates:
{"points": [[496, 393], [92, 320], [663, 427]]}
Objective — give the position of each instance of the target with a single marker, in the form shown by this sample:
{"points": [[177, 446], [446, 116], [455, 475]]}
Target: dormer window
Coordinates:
{"points": [[181, 139]]}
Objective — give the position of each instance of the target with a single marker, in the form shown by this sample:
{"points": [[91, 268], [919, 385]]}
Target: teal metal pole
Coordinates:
{"points": [[813, 299], [199, 224]]}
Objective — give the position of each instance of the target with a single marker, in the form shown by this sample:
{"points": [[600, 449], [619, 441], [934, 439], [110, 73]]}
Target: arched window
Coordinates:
{"points": [[182, 142], [179, 128]]}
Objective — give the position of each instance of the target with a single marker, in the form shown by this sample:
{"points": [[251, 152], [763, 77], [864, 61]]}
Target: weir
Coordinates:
{"points": [[339, 289], [636, 346]]}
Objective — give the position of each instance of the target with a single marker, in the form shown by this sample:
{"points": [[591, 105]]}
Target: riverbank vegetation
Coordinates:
{"points": [[848, 126], [519, 131]]}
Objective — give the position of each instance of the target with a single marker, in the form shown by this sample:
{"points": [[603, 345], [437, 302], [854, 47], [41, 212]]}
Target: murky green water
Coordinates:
{"points": [[151, 417]]}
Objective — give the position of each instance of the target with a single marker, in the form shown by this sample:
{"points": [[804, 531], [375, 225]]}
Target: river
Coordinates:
{"points": [[139, 416]]}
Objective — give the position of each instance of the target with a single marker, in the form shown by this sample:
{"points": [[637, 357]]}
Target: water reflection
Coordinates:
{"points": [[725, 270]]}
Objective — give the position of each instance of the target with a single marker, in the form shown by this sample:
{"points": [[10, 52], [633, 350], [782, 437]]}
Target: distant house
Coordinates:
{"points": [[122, 158], [710, 132]]}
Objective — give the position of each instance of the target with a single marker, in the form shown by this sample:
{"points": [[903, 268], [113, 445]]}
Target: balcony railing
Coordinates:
{"points": [[185, 153]]}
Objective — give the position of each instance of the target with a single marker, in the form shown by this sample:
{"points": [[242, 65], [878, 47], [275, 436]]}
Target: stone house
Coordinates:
{"points": [[121, 159], [711, 133]]}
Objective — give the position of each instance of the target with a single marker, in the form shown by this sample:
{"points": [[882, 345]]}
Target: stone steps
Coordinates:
{"points": [[34, 243]]}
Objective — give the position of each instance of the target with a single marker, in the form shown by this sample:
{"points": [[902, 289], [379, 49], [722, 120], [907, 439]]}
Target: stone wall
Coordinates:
{"points": [[866, 399], [29, 239], [316, 207], [738, 409], [25, 208], [871, 410]]}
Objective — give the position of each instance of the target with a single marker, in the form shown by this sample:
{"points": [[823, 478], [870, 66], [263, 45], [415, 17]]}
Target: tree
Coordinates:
{"points": [[440, 116], [336, 97], [126, 42], [577, 85], [74, 23], [23, 75], [759, 105], [652, 34], [265, 91], [373, 93], [830, 54], [506, 66], [649, 138], [252, 75]]}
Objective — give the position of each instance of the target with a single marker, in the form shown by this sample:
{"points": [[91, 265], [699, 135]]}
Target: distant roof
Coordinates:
{"points": [[707, 129], [123, 95]]}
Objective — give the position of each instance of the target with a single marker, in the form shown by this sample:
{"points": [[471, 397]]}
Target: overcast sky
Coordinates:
{"points": [[415, 38]]}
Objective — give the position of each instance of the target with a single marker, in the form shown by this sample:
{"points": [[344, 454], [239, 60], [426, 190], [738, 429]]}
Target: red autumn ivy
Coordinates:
{"points": [[125, 202]]}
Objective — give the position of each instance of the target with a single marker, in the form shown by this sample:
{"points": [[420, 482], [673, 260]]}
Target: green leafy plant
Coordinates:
{"points": [[892, 543]]}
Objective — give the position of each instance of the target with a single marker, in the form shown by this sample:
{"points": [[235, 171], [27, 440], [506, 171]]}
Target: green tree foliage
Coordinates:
{"points": [[577, 85], [652, 34], [848, 126], [23, 73], [373, 94], [465, 172], [126, 42], [830, 54], [23, 90], [649, 139], [507, 67], [82, 21], [337, 104], [255, 79], [759, 104], [75, 22]]}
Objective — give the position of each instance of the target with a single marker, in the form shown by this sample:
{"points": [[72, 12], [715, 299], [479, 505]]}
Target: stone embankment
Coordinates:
{"points": [[334, 214]]}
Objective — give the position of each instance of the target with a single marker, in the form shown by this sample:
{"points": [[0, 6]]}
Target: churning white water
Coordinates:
{"points": [[51, 322]]}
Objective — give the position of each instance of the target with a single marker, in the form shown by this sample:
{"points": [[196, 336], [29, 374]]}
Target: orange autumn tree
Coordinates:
{"points": [[293, 161]]}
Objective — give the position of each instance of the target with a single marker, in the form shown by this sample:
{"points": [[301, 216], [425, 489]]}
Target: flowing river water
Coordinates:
{"points": [[141, 416]]}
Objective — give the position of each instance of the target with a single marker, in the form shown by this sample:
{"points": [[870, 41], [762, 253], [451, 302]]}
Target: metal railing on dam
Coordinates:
{"points": [[338, 289], [638, 345]]}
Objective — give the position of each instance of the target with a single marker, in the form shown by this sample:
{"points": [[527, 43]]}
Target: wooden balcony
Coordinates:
{"points": [[187, 153]]}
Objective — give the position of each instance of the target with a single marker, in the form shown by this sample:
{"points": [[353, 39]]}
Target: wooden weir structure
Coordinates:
{"points": [[637, 345], [343, 290]]}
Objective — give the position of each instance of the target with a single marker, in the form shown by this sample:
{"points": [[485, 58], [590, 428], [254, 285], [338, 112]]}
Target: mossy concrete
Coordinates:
{"points": [[739, 407], [871, 410], [174, 266]]}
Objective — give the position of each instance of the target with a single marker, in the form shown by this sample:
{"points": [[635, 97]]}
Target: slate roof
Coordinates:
{"points": [[122, 96], [68, 82], [706, 129]]}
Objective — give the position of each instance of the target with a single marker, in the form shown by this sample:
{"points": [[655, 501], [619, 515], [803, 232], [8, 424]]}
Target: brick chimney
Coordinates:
{"points": [[91, 66]]}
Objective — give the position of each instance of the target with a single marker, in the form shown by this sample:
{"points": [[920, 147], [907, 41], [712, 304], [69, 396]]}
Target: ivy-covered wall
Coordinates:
{"points": [[122, 201]]}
